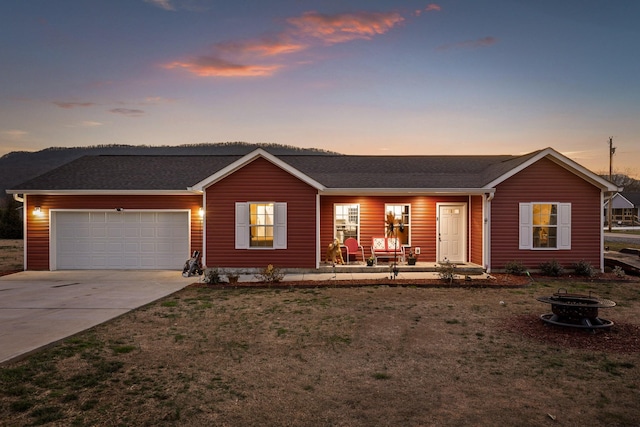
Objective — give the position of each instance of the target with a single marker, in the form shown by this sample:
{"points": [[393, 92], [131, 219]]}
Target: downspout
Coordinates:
{"points": [[486, 214], [602, 196], [469, 232], [25, 241], [318, 255], [203, 229]]}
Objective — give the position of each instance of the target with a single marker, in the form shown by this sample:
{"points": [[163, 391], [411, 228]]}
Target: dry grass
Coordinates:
{"points": [[371, 356], [11, 254]]}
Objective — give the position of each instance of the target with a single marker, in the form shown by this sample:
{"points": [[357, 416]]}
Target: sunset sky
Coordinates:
{"points": [[357, 77]]}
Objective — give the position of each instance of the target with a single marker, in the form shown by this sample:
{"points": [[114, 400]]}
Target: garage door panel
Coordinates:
{"points": [[96, 217], [121, 240], [117, 217], [147, 232], [132, 247], [98, 232], [115, 262], [131, 232], [113, 231]]}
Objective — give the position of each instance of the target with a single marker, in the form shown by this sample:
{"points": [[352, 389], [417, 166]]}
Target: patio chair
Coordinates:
{"points": [[353, 247]]}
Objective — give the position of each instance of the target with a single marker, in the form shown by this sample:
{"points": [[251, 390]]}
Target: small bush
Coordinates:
{"points": [[213, 276], [551, 268], [516, 268], [584, 268], [619, 272], [270, 274]]}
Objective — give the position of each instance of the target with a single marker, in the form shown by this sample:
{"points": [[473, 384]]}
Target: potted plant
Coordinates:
{"points": [[233, 276], [412, 258], [370, 261]]}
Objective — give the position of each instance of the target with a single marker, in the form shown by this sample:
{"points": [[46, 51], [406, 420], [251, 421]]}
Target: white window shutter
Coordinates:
{"points": [[525, 222], [242, 225], [564, 226], [280, 226]]}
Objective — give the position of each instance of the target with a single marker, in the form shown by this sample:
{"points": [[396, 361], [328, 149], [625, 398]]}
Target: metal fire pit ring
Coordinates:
{"points": [[576, 310]]}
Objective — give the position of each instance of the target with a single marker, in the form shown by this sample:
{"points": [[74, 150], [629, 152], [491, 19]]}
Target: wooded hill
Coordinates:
{"points": [[20, 166]]}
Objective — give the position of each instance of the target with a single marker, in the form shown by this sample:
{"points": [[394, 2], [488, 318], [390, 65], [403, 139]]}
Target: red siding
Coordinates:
{"points": [[544, 181], [38, 226], [475, 235], [372, 220], [261, 181]]}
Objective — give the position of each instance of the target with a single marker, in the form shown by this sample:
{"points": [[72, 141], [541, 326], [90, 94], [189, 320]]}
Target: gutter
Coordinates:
{"points": [[17, 198], [104, 192], [406, 191]]}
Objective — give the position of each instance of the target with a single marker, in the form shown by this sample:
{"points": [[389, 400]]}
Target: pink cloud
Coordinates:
{"points": [[280, 45], [470, 44], [340, 28], [127, 112], [430, 8], [69, 105], [208, 66], [244, 58]]}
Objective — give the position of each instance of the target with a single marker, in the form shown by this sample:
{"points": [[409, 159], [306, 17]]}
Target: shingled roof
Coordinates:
{"points": [[177, 173]]}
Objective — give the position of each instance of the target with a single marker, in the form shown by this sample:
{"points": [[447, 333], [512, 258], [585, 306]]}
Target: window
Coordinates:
{"points": [[261, 225], [346, 221], [400, 217], [545, 225]]}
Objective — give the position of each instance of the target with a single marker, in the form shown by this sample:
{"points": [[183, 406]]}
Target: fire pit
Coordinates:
{"points": [[575, 310]]}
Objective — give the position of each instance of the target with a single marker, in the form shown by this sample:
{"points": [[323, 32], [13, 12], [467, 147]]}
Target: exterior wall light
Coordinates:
{"points": [[201, 212], [37, 211]]}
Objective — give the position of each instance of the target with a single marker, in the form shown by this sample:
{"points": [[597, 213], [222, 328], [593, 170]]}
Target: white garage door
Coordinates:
{"points": [[120, 240]]}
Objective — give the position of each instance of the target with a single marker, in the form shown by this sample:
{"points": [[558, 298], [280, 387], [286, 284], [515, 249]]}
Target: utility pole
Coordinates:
{"points": [[612, 151]]}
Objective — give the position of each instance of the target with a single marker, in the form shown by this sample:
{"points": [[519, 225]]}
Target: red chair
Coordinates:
{"points": [[353, 247]]}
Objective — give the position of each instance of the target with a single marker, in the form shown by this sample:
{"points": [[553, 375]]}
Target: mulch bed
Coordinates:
{"points": [[620, 338], [497, 281]]}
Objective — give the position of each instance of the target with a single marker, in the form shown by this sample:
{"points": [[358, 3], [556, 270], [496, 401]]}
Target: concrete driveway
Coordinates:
{"points": [[40, 308]]}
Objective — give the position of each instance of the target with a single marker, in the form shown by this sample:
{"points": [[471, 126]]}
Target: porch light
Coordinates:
{"points": [[37, 211], [201, 212]]}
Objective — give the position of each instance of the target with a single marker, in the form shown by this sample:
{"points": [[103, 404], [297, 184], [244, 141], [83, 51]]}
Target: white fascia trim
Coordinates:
{"points": [[563, 161], [406, 191], [228, 170], [107, 192]]}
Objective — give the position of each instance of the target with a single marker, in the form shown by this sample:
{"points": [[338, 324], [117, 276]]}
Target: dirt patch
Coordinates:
{"points": [[339, 356]]}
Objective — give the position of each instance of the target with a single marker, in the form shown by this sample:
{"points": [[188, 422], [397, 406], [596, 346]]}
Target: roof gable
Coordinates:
{"points": [[243, 161], [558, 159], [619, 201]]}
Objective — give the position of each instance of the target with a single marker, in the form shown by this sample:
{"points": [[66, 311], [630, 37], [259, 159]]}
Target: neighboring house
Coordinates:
{"points": [[625, 209], [131, 212]]}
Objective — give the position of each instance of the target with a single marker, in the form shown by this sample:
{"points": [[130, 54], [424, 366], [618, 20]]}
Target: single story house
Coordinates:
{"points": [[625, 209], [151, 212]]}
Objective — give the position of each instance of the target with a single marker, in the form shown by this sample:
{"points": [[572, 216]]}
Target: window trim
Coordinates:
{"points": [[243, 225], [335, 224], [406, 224], [563, 226]]}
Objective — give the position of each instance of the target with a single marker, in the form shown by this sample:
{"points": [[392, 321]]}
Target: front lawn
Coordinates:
{"points": [[369, 356]]}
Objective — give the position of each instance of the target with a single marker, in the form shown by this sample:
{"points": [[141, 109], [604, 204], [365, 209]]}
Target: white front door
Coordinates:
{"points": [[452, 232]]}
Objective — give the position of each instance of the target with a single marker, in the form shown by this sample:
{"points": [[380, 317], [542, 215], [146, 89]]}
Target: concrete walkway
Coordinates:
{"points": [[40, 308]]}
